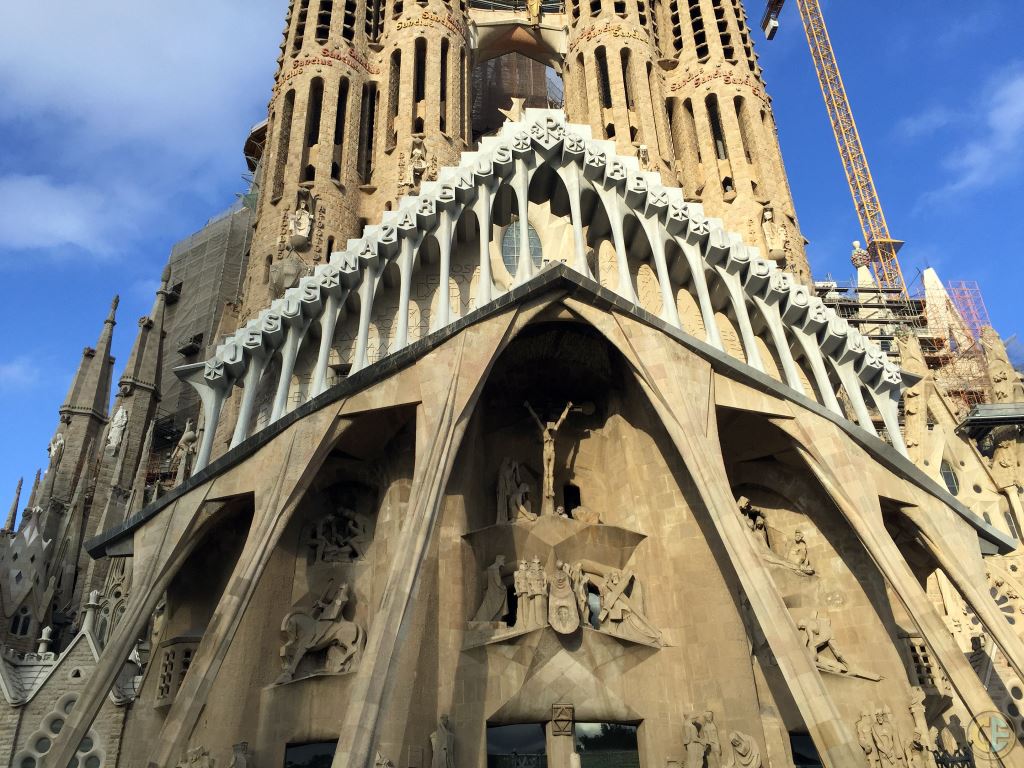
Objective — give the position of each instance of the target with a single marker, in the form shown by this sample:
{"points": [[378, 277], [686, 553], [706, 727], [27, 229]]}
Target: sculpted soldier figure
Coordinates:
{"points": [[538, 583]]}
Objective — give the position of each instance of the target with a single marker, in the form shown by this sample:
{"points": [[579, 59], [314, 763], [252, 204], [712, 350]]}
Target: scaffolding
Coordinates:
{"points": [[966, 297], [948, 335]]}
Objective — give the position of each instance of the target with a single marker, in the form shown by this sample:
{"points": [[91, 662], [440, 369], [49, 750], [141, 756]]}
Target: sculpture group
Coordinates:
{"points": [[572, 596], [342, 536], [702, 746], [796, 556]]}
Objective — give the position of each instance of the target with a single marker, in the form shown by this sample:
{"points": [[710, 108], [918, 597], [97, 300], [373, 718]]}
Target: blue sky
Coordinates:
{"points": [[123, 124]]}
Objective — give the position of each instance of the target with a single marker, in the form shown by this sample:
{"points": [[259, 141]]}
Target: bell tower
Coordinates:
{"points": [[369, 100], [724, 141]]}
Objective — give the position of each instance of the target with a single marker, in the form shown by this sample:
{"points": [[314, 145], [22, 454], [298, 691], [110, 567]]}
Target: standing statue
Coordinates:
{"points": [[533, 11], [798, 554], [56, 450], [922, 745], [513, 494], [442, 745], [775, 235], [495, 603], [866, 740], [745, 752], [890, 751], [181, 457], [521, 587], [580, 582], [709, 735], [240, 755], [548, 430], [418, 163], [692, 743], [537, 580], [563, 613], [117, 427], [322, 628]]}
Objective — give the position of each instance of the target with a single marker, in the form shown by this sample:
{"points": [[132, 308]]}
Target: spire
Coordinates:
{"points": [[144, 361], [12, 516], [90, 390], [32, 501]]}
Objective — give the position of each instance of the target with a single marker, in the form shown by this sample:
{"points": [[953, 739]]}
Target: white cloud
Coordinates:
{"points": [[19, 373], [126, 118], [924, 123], [36, 212], [171, 72], [997, 150]]}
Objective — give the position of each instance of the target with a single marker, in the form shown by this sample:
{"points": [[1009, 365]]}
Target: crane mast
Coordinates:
{"points": [[882, 249]]}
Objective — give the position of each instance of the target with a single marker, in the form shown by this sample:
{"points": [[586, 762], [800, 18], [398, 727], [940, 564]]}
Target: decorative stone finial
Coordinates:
{"points": [[90, 610], [113, 309], [44, 641]]}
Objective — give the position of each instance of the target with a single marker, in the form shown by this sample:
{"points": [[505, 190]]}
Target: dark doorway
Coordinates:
{"points": [[607, 745], [316, 755], [571, 498], [805, 754], [516, 746]]}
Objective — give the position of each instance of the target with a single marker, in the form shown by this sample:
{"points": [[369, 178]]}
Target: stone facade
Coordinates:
{"points": [[522, 449]]}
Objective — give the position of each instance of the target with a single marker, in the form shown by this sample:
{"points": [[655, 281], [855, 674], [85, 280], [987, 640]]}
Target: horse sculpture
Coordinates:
{"points": [[322, 628]]}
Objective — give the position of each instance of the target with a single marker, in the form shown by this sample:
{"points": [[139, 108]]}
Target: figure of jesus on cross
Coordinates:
{"points": [[548, 430]]}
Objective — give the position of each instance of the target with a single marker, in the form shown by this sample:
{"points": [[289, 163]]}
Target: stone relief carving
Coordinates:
{"points": [[117, 427], [382, 762], [513, 494], [548, 432], [880, 740], [819, 638], [745, 752], [442, 745], [341, 537], [495, 602], [321, 629], [563, 612]]}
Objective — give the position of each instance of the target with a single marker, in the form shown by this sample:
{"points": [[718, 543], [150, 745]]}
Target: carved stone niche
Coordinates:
{"points": [[340, 523], [323, 629], [557, 573]]}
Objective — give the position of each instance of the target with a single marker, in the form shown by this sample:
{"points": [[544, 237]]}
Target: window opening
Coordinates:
{"points": [[949, 477], [510, 247], [323, 21]]}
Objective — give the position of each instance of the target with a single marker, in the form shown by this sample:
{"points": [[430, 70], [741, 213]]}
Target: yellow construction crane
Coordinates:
{"points": [[882, 249]]}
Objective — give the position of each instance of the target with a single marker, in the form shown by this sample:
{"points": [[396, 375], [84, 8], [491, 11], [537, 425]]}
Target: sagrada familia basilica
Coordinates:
{"points": [[504, 425]]}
